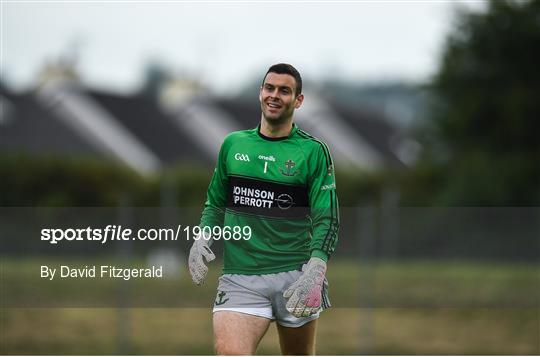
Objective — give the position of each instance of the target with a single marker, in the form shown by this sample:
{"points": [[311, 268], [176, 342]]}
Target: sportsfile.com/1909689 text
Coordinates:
{"points": [[120, 233]]}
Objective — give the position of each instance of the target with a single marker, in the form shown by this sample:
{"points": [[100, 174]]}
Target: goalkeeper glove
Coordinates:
{"points": [[305, 296], [200, 249]]}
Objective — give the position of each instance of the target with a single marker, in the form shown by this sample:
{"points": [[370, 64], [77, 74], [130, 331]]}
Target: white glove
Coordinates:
{"points": [[199, 249], [305, 295]]}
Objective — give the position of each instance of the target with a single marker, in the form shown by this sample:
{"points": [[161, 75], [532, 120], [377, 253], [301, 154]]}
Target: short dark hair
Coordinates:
{"points": [[284, 68]]}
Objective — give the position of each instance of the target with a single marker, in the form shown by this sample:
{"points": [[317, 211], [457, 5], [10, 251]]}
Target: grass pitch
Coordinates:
{"points": [[428, 308]]}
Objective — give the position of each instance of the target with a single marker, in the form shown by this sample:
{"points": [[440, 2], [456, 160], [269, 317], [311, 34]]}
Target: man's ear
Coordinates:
{"points": [[298, 101], [260, 94]]}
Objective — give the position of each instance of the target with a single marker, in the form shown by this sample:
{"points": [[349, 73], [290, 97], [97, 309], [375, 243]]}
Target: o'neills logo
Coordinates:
{"points": [[267, 158], [252, 197]]}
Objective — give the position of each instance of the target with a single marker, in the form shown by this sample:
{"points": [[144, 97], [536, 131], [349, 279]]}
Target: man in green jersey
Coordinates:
{"points": [[279, 181]]}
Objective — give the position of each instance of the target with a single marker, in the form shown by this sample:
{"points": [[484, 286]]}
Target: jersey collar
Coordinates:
{"points": [[293, 131]]}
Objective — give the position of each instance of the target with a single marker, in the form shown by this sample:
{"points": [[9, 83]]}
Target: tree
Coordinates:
{"points": [[487, 111]]}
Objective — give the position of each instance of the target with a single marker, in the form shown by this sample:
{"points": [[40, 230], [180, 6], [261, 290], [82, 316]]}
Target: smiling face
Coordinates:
{"points": [[278, 98]]}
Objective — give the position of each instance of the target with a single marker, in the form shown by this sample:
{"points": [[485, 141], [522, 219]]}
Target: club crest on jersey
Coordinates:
{"points": [[288, 171]]}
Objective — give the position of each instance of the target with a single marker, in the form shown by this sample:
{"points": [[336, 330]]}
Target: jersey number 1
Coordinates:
{"points": [[265, 166]]}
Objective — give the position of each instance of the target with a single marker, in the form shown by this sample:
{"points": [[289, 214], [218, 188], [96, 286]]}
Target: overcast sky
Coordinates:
{"points": [[226, 44]]}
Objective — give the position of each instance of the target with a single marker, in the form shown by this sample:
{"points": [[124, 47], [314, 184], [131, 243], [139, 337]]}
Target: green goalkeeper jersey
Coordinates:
{"points": [[284, 190]]}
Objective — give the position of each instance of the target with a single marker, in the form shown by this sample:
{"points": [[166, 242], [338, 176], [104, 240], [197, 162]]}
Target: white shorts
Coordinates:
{"points": [[259, 295]]}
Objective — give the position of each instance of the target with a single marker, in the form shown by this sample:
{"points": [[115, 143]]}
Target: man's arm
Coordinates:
{"points": [[324, 204], [212, 215], [216, 195], [307, 295]]}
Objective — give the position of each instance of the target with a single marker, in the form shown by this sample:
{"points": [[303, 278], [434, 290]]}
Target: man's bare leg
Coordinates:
{"points": [[299, 340], [238, 334]]}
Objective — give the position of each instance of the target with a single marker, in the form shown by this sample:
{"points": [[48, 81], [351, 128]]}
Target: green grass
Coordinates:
{"points": [[379, 308]]}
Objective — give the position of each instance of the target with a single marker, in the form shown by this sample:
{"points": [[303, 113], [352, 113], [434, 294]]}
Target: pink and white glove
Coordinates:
{"points": [[305, 295]]}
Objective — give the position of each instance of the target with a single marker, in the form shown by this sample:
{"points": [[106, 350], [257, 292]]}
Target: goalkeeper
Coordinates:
{"points": [[279, 181]]}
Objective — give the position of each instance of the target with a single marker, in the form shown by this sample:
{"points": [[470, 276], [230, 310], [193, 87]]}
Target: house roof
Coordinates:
{"points": [[375, 130], [153, 127], [172, 136], [30, 128]]}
